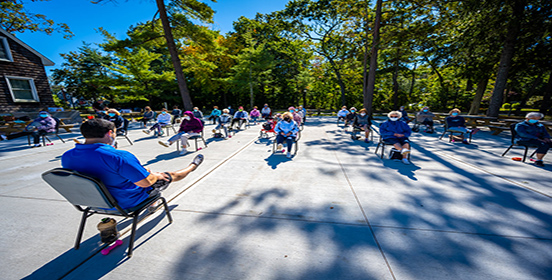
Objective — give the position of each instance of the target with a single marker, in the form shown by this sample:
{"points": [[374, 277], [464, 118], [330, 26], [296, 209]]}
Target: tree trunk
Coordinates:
{"points": [[476, 103], [339, 81], [546, 99], [370, 84], [411, 91], [250, 89], [186, 99], [396, 83], [365, 61], [506, 58]]}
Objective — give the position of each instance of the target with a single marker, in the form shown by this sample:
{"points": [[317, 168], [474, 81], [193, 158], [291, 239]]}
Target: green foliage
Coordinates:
{"points": [[14, 18]]}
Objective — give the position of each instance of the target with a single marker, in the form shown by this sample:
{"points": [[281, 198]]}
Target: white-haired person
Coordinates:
{"points": [[396, 132], [286, 130], [163, 119], [224, 122], [532, 133], [456, 123]]}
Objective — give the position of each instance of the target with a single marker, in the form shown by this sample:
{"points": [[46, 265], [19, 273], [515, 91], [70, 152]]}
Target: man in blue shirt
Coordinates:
{"points": [[126, 179]]}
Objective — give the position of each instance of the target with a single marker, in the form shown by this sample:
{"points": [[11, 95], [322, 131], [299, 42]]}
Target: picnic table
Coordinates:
{"points": [[13, 126], [474, 121]]}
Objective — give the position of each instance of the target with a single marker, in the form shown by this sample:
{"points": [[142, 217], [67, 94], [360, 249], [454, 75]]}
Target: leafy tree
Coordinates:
{"points": [[15, 18]]}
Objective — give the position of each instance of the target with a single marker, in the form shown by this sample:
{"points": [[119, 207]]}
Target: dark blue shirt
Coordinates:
{"points": [[117, 169], [389, 128], [455, 121], [526, 131]]}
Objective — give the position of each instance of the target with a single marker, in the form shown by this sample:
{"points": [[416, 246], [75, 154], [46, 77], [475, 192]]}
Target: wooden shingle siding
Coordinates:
{"points": [[27, 65]]}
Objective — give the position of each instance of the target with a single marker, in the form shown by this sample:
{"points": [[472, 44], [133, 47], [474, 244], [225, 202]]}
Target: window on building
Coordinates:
{"points": [[5, 53], [22, 89]]}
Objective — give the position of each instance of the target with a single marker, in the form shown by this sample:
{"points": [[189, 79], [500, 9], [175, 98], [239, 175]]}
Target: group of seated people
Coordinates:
{"points": [[395, 130]]}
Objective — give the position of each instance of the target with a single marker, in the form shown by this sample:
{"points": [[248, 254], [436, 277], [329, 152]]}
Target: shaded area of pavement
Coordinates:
{"points": [[333, 211]]}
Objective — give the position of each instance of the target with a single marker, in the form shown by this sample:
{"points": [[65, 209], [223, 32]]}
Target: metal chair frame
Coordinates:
{"points": [[90, 196]]}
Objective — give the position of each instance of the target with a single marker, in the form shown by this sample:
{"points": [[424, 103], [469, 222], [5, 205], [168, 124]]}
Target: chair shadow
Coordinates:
{"points": [[163, 157], [72, 259]]}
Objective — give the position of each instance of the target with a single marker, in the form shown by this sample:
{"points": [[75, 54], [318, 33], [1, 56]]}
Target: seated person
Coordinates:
{"points": [[197, 113], [115, 117], [126, 179], [254, 114], [286, 130], [99, 107], [303, 113], [456, 123], [40, 126], [342, 114], [395, 132], [163, 120], [404, 114], [350, 116], [190, 126], [223, 122], [532, 133], [296, 117], [148, 115], [214, 114], [362, 122], [176, 113], [240, 117], [266, 112], [425, 117]]}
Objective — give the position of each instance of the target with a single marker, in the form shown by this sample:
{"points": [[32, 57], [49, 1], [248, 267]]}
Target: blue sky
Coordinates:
{"points": [[84, 17]]}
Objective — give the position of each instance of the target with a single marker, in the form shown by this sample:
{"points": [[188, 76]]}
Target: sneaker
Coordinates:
{"points": [[152, 208], [288, 155], [539, 163], [405, 151], [465, 142], [366, 141], [146, 131], [198, 160], [353, 137], [164, 143], [37, 145], [405, 161], [279, 147], [183, 151], [4, 137]]}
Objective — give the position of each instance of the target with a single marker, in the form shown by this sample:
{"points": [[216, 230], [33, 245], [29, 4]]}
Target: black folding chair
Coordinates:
{"points": [[195, 138], [295, 145], [45, 136], [124, 131], [452, 133], [513, 143], [90, 196], [382, 143]]}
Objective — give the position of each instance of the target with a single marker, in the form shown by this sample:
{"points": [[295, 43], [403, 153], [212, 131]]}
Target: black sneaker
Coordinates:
{"points": [[198, 160], [539, 163]]}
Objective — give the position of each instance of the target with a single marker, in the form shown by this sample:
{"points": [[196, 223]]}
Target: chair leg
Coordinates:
{"points": [[507, 150], [382, 150], [81, 229], [62, 141], [132, 235], [204, 143], [29, 140], [533, 153], [167, 210], [442, 135], [525, 153]]}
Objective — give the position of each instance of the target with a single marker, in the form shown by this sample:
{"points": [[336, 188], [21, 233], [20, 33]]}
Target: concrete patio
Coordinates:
{"points": [[334, 211]]}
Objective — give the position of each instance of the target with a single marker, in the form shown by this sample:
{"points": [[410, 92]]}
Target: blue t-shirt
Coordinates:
{"points": [[117, 169]]}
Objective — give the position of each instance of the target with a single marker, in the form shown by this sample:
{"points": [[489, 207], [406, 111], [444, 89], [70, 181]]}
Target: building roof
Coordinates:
{"points": [[44, 59]]}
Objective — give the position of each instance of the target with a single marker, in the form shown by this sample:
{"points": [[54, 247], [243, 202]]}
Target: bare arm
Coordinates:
{"points": [[151, 179]]}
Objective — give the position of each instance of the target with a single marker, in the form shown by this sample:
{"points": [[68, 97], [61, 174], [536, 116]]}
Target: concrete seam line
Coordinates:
{"points": [[362, 210]]}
